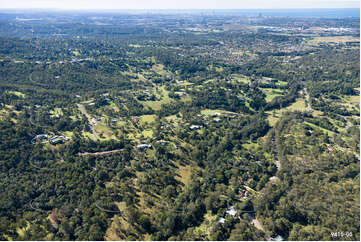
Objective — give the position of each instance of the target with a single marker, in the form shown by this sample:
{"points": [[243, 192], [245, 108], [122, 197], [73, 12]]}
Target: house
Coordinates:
{"points": [[144, 146], [180, 94], [216, 114], [244, 194], [135, 120], [95, 120], [231, 211], [162, 142], [56, 139], [217, 120], [194, 127], [277, 238], [39, 137], [221, 220]]}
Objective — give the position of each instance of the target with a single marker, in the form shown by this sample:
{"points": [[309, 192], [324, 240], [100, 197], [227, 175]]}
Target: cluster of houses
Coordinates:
{"points": [[44, 138], [145, 146], [216, 118]]}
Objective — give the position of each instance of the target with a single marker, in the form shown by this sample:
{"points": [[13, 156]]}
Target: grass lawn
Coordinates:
{"points": [[209, 112], [272, 120], [104, 132], [354, 99], [172, 117], [159, 69], [329, 132], [185, 83], [57, 112], [120, 124], [69, 133], [241, 79], [156, 105], [185, 174], [21, 231], [334, 39], [113, 106], [204, 228], [147, 119], [270, 96], [136, 46], [299, 105], [250, 146], [281, 83], [88, 135], [275, 90], [3, 112], [16, 93], [148, 133], [76, 53]]}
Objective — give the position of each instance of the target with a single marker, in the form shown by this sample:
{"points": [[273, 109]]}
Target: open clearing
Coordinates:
{"points": [[333, 39]]}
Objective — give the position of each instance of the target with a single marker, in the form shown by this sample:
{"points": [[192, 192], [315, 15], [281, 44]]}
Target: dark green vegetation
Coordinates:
{"points": [[170, 127]]}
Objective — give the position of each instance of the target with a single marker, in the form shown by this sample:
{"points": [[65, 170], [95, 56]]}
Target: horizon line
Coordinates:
{"points": [[305, 8]]}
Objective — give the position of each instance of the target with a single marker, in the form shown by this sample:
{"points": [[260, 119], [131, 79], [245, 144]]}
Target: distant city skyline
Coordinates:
{"points": [[183, 4]]}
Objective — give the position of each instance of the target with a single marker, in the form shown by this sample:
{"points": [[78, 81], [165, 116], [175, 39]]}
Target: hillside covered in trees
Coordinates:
{"points": [[118, 126]]}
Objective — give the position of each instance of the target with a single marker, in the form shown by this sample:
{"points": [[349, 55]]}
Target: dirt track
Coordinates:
{"points": [[100, 153]]}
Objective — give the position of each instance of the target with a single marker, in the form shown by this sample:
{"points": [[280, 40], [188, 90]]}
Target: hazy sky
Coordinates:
{"points": [[178, 4]]}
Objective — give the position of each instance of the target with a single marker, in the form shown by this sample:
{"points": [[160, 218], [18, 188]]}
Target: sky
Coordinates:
{"points": [[178, 4]]}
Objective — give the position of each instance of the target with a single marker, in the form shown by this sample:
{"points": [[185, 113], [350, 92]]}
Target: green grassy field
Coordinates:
{"points": [[204, 229], [57, 112], [147, 119], [148, 133], [209, 112], [270, 96], [273, 116], [332, 39], [329, 132], [16, 93], [156, 105]]}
